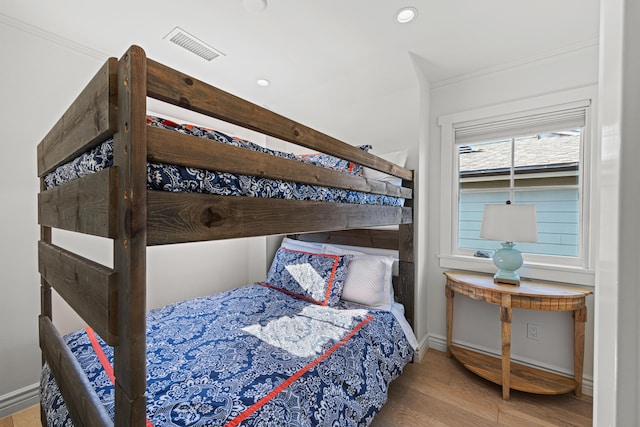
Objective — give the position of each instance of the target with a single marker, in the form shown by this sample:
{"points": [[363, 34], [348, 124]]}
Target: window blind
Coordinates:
{"points": [[569, 117]]}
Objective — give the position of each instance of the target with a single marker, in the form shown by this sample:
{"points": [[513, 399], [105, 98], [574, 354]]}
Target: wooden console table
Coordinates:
{"points": [[529, 295]]}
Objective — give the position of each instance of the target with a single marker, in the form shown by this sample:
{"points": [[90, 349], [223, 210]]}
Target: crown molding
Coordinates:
{"points": [[51, 37], [520, 63]]}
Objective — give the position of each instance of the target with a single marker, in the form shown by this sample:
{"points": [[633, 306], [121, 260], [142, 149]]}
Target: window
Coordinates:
{"points": [[539, 155], [540, 169]]}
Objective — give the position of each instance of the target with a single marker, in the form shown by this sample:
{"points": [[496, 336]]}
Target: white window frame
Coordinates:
{"points": [[541, 267]]}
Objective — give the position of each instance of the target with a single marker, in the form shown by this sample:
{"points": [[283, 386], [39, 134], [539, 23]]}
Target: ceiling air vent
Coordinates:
{"points": [[192, 44]]}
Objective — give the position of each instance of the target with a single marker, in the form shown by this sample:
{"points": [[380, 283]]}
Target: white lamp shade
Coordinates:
{"points": [[509, 223]]}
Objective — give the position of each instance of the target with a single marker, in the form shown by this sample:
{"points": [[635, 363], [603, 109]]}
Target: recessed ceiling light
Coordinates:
{"points": [[406, 14], [263, 82]]}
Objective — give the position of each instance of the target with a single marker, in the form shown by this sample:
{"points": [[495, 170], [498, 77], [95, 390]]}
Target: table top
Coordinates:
{"points": [[526, 288]]}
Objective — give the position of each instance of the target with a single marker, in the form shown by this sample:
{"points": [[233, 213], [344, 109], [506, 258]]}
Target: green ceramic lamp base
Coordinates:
{"points": [[508, 260]]}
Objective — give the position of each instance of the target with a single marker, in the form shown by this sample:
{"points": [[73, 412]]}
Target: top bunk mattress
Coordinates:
{"points": [[173, 178]]}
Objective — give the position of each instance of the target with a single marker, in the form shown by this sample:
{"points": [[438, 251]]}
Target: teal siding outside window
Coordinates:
{"points": [[557, 215]]}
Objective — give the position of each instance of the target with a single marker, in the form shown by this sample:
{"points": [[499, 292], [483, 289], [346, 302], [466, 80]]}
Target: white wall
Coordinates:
{"points": [[617, 392], [422, 234], [25, 119], [38, 80], [477, 324]]}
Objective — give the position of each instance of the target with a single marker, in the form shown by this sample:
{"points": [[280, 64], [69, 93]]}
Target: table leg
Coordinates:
{"points": [[505, 318], [450, 294], [579, 319]]}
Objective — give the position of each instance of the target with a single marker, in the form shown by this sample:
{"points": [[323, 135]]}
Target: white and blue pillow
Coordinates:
{"points": [[318, 278]]}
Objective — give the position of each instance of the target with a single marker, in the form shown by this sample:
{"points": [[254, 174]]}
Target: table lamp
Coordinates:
{"points": [[509, 223]]}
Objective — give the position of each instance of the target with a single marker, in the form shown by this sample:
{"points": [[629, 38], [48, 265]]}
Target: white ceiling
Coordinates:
{"points": [[341, 50]]}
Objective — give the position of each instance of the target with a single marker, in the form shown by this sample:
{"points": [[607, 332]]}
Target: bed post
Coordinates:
{"points": [[45, 288], [130, 156], [46, 309]]}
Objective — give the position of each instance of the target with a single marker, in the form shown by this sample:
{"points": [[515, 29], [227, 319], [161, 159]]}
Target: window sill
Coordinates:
{"points": [[536, 271]]}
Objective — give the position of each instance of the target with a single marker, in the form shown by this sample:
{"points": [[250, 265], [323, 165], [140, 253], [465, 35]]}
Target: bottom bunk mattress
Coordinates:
{"points": [[253, 356]]}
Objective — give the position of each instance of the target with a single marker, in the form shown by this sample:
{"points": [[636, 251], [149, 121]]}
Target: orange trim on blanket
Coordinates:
{"points": [[331, 278], [293, 294], [106, 365], [253, 408], [104, 360]]}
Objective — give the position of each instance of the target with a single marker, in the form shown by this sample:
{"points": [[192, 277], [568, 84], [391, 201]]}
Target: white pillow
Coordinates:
{"points": [[299, 245], [397, 157], [369, 278]]}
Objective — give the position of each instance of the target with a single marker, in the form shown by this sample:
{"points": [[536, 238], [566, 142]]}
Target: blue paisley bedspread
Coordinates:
{"points": [[161, 176], [254, 356]]}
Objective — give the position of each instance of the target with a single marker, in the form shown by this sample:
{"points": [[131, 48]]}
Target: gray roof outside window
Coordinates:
{"points": [[545, 151]]}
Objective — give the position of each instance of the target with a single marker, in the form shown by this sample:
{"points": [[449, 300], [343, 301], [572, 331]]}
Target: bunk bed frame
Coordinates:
{"points": [[115, 203]]}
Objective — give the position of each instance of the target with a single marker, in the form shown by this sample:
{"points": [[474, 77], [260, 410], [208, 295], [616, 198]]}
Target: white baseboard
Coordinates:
{"points": [[439, 343], [423, 346], [18, 400]]}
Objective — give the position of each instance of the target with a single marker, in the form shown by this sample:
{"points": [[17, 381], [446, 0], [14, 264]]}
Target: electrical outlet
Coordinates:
{"points": [[534, 332]]}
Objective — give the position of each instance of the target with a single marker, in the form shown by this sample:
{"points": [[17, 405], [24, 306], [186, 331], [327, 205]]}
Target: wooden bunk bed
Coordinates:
{"points": [[115, 203]]}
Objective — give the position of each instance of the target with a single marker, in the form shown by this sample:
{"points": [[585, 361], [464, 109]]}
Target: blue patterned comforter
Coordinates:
{"points": [[255, 356], [161, 176]]}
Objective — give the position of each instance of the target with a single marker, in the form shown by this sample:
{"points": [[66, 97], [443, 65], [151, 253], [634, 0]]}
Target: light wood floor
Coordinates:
{"points": [[440, 392], [30, 417]]}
